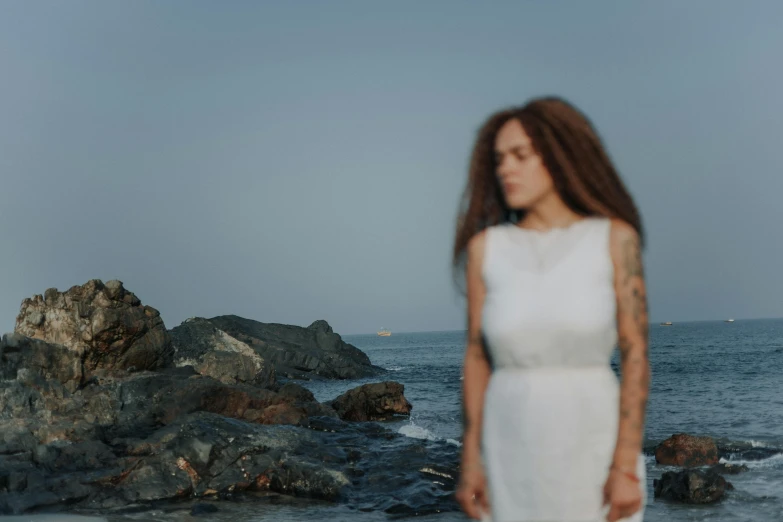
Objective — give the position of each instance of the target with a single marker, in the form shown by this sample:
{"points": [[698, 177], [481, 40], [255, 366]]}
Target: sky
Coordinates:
{"points": [[295, 161]]}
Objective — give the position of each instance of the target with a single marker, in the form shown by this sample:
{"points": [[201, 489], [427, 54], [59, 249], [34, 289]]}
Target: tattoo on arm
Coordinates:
{"points": [[633, 348]]}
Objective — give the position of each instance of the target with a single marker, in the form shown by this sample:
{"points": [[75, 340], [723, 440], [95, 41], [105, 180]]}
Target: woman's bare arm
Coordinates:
{"points": [[476, 367], [632, 331]]}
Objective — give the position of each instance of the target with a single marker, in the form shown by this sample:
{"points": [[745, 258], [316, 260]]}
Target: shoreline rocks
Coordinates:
{"points": [[101, 408]]}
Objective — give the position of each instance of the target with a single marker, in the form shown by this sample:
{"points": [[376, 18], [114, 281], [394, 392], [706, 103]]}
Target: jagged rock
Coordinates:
{"points": [[372, 402], [302, 353], [687, 451], [691, 486], [214, 353], [105, 325]]}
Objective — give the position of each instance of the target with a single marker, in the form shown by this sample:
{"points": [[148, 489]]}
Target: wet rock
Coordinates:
{"points": [[691, 486], [372, 402], [203, 509], [725, 468], [687, 451], [205, 454]]}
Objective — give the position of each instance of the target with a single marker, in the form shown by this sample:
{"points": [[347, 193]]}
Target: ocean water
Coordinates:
{"points": [[719, 379]]}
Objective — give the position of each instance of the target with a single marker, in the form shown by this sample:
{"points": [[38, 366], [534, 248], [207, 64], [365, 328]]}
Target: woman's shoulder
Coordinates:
{"points": [[480, 242], [621, 231], [476, 244], [624, 241]]}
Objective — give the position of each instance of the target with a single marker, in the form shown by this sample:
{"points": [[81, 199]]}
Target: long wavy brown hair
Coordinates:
{"points": [[572, 152]]}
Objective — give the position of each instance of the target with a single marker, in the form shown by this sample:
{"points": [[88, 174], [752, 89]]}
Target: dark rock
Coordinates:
{"points": [[203, 509], [214, 353], [691, 486], [238, 401], [302, 353], [205, 454], [372, 402], [105, 325], [294, 391], [687, 451]]}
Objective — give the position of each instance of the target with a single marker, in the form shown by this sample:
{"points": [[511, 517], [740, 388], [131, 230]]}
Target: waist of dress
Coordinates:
{"points": [[554, 369]]}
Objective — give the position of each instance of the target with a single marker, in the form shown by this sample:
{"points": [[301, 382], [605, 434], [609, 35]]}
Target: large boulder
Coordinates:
{"points": [[302, 353], [214, 353], [691, 486], [372, 402], [687, 451], [106, 325]]}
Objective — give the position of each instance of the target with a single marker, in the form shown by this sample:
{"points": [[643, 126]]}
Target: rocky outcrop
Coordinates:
{"points": [[691, 486], [372, 402], [172, 435], [214, 353], [104, 324], [102, 408], [301, 353], [687, 451], [119, 438]]}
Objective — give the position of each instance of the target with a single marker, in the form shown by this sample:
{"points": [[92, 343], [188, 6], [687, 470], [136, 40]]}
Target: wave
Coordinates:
{"points": [[394, 368], [759, 444], [774, 461], [417, 432], [414, 431]]}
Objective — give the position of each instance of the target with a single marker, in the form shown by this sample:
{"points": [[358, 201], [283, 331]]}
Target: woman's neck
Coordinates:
{"points": [[549, 213]]}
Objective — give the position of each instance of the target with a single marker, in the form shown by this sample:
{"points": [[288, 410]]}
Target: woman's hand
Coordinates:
{"points": [[472, 492], [622, 494]]}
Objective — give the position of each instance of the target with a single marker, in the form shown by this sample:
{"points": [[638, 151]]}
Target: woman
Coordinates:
{"points": [[550, 242]]}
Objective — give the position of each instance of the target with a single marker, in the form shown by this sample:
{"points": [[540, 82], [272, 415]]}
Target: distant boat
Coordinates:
{"points": [[729, 321], [667, 323], [383, 332]]}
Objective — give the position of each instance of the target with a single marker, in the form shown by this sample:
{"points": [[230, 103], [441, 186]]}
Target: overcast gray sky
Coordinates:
{"points": [[294, 161]]}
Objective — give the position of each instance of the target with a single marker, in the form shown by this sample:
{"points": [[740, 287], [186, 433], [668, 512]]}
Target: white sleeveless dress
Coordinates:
{"points": [[552, 403]]}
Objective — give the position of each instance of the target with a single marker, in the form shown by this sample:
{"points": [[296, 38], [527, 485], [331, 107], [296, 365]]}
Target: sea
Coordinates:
{"points": [[724, 380]]}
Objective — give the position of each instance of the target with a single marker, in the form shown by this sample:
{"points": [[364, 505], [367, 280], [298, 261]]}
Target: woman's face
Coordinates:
{"points": [[521, 173]]}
